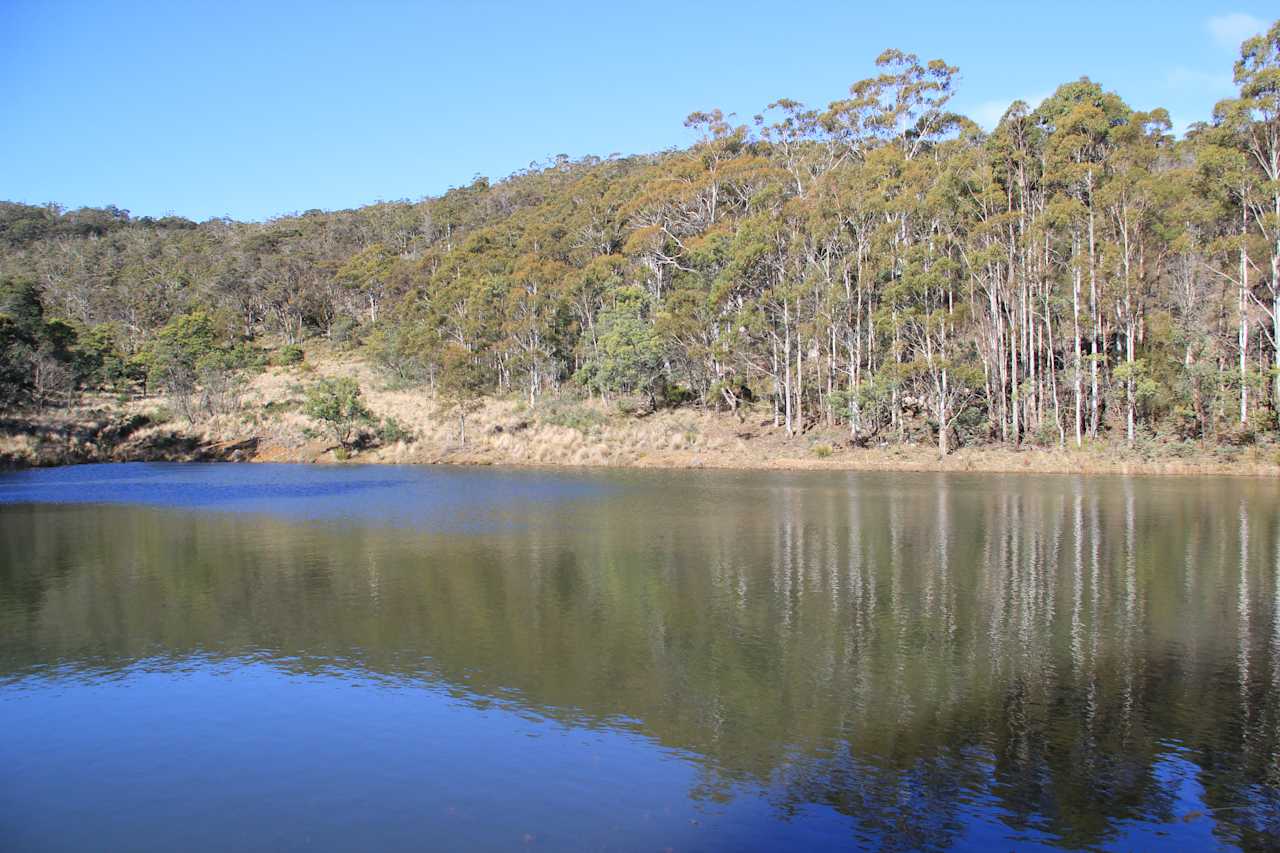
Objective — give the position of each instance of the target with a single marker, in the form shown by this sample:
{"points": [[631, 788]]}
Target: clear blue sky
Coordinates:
{"points": [[256, 109]]}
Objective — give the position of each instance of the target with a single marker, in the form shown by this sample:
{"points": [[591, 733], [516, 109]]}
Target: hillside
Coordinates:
{"points": [[269, 424], [876, 272]]}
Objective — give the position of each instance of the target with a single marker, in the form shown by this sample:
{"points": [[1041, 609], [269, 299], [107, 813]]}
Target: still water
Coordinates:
{"points": [[262, 657]]}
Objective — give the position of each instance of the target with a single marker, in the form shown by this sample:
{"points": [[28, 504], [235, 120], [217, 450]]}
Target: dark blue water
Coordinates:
{"points": [[277, 657], [394, 495]]}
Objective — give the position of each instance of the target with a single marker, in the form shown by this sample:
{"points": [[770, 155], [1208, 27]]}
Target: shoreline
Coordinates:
{"points": [[192, 446], [268, 425]]}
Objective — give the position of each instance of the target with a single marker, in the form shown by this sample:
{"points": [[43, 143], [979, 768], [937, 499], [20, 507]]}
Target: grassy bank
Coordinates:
{"points": [[269, 425]]}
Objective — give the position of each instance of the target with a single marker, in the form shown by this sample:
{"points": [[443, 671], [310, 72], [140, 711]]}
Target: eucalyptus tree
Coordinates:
{"points": [[1255, 117], [878, 263], [1080, 119], [366, 278], [1129, 200]]}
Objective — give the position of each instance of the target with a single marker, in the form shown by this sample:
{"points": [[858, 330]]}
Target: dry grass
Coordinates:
{"points": [[563, 431]]}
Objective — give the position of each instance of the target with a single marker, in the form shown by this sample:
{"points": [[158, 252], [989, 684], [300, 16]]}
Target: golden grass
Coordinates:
{"points": [[592, 433]]}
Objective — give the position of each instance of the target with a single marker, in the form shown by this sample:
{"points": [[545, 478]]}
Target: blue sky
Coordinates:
{"points": [[252, 110]]}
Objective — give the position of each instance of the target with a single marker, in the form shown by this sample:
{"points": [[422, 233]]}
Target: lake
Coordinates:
{"points": [[279, 657]]}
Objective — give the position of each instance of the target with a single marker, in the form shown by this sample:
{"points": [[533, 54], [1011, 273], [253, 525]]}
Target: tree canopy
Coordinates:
{"points": [[881, 263]]}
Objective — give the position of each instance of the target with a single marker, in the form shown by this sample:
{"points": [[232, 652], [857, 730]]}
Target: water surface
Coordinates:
{"points": [[268, 657]]}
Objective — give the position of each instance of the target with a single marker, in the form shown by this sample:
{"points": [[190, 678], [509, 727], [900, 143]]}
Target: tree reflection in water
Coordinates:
{"points": [[1069, 655]]}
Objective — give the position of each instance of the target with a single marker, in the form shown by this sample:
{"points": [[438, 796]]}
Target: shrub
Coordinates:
{"points": [[182, 341], [1238, 435], [287, 355], [345, 332], [336, 404], [674, 396], [1044, 435], [245, 355], [391, 431], [822, 451], [1262, 421], [101, 361]]}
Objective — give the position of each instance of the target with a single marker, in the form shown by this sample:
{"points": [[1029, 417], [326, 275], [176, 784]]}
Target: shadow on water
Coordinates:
{"points": [[933, 660]]}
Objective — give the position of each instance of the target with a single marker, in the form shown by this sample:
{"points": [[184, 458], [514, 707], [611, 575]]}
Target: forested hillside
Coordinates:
{"points": [[881, 265]]}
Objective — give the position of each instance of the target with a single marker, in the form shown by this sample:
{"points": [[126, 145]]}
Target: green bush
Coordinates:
{"points": [[675, 396], [101, 361], [288, 355], [185, 339], [1262, 421], [245, 356], [391, 431], [336, 404]]}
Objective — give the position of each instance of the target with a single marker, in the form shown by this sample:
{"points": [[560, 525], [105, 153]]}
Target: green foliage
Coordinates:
{"points": [[243, 356], [674, 396], [60, 337], [20, 301], [344, 332], [101, 360], [879, 260], [463, 381], [403, 351], [1145, 387], [626, 406], [337, 405], [186, 360], [462, 375], [874, 400], [178, 346], [185, 339], [628, 355], [367, 277], [391, 431], [287, 355], [40, 359], [1263, 421], [842, 402], [15, 356]]}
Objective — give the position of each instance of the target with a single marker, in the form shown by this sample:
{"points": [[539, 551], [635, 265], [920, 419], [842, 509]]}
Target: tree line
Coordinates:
{"points": [[881, 265]]}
